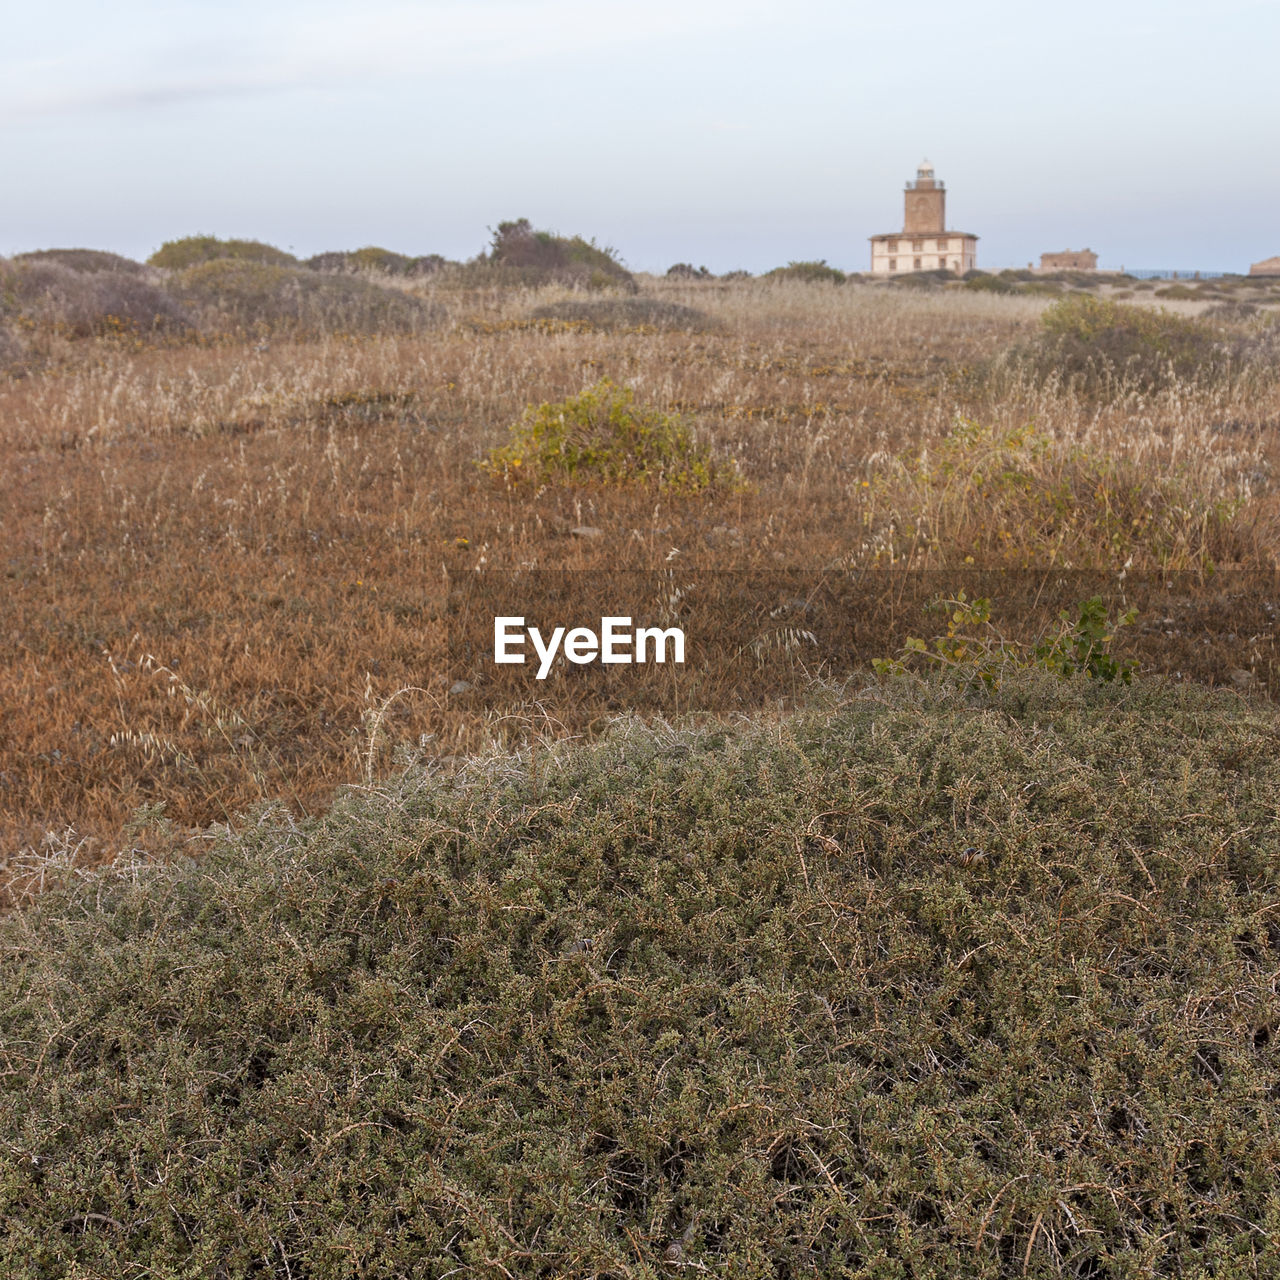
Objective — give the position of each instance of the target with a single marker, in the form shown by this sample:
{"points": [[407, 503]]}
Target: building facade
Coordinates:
{"points": [[1267, 267], [1069, 260], [924, 243]]}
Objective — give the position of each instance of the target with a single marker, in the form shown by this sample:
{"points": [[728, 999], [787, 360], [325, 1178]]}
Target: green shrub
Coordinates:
{"points": [[983, 283], [257, 298], [380, 261], [973, 649], [520, 256], [193, 250], [600, 437], [935, 279], [1098, 343], [819, 272], [924, 982], [1022, 497]]}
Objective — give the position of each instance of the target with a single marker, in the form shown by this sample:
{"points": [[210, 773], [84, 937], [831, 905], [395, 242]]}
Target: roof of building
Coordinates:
{"points": [[921, 235]]}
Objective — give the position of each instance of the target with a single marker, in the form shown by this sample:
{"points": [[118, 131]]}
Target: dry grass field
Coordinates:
{"points": [[957, 960], [226, 558]]}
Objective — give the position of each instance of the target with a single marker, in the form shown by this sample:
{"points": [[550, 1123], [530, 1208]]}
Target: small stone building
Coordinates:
{"points": [[1267, 267], [1069, 260], [924, 243]]}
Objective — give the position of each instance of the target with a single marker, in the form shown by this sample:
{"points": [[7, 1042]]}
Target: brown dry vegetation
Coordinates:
{"points": [[225, 562]]}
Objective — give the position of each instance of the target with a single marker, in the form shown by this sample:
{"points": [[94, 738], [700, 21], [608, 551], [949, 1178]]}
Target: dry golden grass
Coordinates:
{"points": [[223, 563]]}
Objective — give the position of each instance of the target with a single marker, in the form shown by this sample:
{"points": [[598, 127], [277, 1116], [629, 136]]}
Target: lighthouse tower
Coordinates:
{"points": [[925, 203], [924, 243]]}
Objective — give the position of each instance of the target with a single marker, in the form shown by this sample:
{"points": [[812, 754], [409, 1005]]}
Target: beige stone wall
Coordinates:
{"points": [[1069, 260], [1267, 267], [896, 255]]}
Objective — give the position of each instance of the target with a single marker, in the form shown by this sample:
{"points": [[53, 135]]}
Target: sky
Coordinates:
{"points": [[726, 133]]}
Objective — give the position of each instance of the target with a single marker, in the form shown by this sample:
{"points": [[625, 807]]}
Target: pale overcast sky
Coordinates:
{"points": [[735, 134]]}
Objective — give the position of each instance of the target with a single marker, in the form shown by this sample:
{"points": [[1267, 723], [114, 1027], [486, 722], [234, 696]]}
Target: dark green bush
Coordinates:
{"points": [[687, 271], [907, 985], [193, 250], [256, 298], [819, 272], [981, 282], [521, 256], [923, 279]]}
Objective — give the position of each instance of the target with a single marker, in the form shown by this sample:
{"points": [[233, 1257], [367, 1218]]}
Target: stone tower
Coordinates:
{"points": [[926, 203]]}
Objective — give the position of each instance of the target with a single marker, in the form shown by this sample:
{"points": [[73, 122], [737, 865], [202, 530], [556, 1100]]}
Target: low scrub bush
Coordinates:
{"points": [[923, 279], [1022, 497], [522, 256], [612, 314], [256, 298], [378, 261], [819, 272], [974, 649], [980, 282], [916, 982], [1097, 344], [193, 250], [89, 260], [601, 437], [46, 294], [687, 271]]}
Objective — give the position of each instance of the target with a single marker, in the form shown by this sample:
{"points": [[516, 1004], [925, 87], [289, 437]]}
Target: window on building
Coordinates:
{"points": [[917, 245], [916, 267]]}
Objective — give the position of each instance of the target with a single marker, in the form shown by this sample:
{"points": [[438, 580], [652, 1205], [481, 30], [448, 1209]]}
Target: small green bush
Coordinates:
{"points": [[600, 437], [257, 298], [819, 272], [973, 649], [1098, 343], [193, 250]]}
